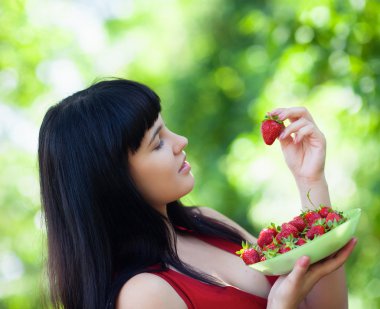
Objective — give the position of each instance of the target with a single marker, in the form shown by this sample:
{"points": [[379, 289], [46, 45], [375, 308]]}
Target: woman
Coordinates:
{"points": [[111, 175]]}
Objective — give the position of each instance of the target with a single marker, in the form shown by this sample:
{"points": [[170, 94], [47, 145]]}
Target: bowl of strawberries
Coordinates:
{"points": [[315, 233]]}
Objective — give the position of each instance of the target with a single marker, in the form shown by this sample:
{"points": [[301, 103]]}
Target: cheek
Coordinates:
{"points": [[161, 178], [154, 177], [159, 181]]}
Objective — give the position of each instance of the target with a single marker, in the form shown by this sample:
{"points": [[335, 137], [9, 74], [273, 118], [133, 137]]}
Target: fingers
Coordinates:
{"points": [[301, 128], [346, 249], [331, 264], [299, 270], [294, 127], [292, 113]]}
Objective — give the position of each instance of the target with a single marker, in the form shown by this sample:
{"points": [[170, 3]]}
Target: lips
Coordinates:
{"points": [[184, 167]]}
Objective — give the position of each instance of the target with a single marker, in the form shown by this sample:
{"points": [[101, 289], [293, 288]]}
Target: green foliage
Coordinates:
{"points": [[218, 66]]}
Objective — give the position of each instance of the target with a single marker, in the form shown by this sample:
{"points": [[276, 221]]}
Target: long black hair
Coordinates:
{"points": [[100, 230]]}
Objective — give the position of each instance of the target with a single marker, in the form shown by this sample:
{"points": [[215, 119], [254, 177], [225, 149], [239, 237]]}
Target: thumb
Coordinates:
{"points": [[300, 268]]}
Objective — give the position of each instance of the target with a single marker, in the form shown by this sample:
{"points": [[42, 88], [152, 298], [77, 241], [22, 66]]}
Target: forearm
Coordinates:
{"points": [[329, 293], [318, 192], [333, 286]]}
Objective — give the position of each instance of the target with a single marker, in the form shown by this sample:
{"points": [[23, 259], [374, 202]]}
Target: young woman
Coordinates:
{"points": [[111, 176]]}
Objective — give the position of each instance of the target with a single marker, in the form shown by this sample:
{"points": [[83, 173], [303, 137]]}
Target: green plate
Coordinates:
{"points": [[319, 248]]}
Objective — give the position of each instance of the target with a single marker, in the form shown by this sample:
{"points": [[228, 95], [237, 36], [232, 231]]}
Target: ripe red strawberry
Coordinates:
{"points": [[250, 256], [271, 246], [270, 250], [283, 249], [266, 236], [300, 242], [249, 253], [286, 230], [333, 216], [310, 217], [315, 230], [299, 223], [324, 211], [271, 128]]}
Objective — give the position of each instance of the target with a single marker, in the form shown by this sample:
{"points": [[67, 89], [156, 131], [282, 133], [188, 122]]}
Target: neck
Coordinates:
{"points": [[169, 225]]}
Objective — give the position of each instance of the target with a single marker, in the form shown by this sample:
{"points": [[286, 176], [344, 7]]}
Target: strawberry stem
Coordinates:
{"points": [[308, 197]]}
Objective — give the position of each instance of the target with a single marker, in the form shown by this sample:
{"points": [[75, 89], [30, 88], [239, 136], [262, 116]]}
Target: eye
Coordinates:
{"points": [[160, 144]]}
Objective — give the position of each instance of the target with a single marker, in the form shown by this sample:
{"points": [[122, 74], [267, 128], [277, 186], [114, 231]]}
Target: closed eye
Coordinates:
{"points": [[160, 144]]}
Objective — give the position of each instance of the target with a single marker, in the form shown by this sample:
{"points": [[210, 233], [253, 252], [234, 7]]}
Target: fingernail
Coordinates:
{"points": [[304, 261]]}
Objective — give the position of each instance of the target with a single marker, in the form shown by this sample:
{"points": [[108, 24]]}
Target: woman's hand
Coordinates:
{"points": [[305, 152], [290, 291]]}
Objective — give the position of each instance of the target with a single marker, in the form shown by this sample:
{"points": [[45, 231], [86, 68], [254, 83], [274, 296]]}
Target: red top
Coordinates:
{"points": [[197, 294]]}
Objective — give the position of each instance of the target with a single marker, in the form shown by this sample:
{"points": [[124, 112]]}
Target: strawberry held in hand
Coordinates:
{"points": [[271, 128]]}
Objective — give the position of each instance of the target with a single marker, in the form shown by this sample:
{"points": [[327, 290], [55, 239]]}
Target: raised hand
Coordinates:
{"points": [[305, 152]]}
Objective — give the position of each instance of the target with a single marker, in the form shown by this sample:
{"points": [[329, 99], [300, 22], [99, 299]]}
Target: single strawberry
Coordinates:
{"points": [[300, 241], [271, 128], [249, 253], [333, 219], [263, 258], [266, 236], [270, 251], [315, 230], [288, 244], [333, 216], [286, 230], [271, 246], [310, 217], [299, 223], [251, 256], [283, 249], [324, 211]]}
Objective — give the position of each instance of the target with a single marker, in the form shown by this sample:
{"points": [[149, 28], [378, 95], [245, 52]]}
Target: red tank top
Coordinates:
{"points": [[198, 295]]}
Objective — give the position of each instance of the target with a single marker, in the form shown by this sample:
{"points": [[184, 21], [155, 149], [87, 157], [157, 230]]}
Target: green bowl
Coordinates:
{"points": [[317, 249]]}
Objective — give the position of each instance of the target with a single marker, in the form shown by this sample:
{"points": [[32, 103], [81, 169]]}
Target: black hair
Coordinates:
{"points": [[100, 230]]}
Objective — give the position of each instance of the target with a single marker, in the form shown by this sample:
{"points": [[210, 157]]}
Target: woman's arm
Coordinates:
{"points": [[302, 287], [331, 290], [304, 149], [323, 284]]}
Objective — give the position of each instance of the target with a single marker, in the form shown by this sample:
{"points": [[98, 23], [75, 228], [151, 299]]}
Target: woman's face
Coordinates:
{"points": [[159, 168]]}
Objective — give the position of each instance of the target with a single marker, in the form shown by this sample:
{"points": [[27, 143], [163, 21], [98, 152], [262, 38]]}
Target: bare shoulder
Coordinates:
{"points": [[148, 291], [209, 212]]}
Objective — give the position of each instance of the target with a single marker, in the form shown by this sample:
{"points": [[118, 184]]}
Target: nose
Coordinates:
{"points": [[180, 144]]}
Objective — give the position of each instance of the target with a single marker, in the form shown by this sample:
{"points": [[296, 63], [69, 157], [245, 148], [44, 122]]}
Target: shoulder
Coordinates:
{"points": [[212, 213], [148, 291]]}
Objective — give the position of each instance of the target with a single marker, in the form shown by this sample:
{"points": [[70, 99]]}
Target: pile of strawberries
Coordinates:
{"points": [[275, 240]]}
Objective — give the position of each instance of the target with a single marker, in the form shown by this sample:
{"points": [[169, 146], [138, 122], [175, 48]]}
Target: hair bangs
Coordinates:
{"points": [[134, 104]]}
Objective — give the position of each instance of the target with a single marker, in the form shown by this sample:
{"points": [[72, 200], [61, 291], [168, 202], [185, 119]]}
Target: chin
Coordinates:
{"points": [[187, 189]]}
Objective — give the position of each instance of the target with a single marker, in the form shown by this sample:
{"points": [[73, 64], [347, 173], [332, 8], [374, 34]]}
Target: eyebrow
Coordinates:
{"points": [[155, 133]]}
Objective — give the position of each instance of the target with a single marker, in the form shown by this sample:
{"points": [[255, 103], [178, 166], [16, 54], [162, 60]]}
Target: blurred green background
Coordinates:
{"points": [[219, 66]]}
